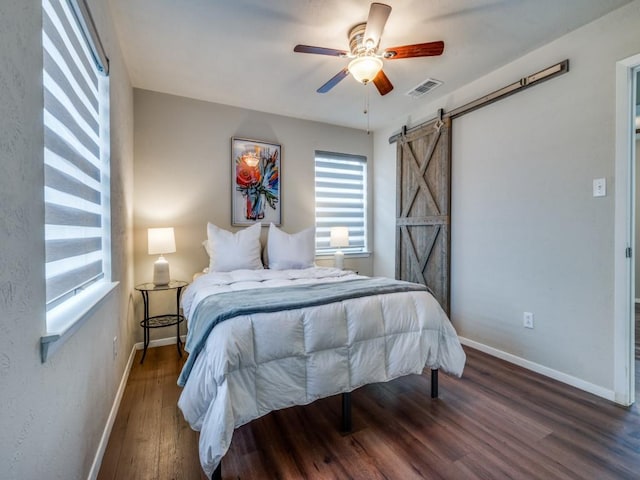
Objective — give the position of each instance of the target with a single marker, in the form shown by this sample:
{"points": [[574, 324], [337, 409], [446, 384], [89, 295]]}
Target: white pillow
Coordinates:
{"points": [[234, 251], [287, 251]]}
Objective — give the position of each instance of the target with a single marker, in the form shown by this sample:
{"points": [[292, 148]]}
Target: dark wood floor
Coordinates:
{"points": [[499, 421]]}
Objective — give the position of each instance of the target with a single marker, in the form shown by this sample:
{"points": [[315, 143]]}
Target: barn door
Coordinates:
{"points": [[423, 208]]}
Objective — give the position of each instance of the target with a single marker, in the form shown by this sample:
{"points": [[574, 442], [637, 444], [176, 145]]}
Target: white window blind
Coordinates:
{"points": [[76, 167], [341, 193]]}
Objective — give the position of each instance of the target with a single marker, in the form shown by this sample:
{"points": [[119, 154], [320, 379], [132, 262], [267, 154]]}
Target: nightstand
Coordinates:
{"points": [[159, 321]]}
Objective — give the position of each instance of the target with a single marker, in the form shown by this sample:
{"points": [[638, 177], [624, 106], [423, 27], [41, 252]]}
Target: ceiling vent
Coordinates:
{"points": [[424, 88]]}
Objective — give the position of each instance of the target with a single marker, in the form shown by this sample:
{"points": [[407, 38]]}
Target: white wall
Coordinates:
{"points": [[53, 414], [183, 176], [526, 233]]}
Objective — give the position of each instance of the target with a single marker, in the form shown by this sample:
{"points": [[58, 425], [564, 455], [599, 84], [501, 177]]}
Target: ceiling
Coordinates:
{"points": [[240, 52]]}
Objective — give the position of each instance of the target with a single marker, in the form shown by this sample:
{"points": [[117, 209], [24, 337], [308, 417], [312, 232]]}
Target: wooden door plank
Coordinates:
{"points": [[412, 252], [421, 186], [424, 200]]}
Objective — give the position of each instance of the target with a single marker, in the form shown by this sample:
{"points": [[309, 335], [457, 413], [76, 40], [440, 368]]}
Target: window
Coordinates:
{"points": [[341, 200], [76, 162]]}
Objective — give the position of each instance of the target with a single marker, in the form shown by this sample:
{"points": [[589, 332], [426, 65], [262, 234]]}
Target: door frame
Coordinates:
{"points": [[624, 235]]}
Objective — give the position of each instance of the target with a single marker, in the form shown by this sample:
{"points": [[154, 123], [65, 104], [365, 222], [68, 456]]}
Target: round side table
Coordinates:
{"points": [[159, 321]]}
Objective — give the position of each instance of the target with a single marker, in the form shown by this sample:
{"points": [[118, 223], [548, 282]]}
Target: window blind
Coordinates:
{"points": [[73, 165], [341, 193]]}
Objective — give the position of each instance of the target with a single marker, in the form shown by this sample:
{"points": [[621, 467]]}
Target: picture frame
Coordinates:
{"points": [[255, 182]]}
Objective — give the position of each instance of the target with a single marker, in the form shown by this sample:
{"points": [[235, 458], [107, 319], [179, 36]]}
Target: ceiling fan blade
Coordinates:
{"points": [[334, 81], [319, 50], [378, 15], [382, 83], [431, 49]]}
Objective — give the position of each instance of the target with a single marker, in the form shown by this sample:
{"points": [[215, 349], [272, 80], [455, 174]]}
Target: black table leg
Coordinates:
{"points": [[434, 383], [145, 326], [346, 412], [178, 341]]}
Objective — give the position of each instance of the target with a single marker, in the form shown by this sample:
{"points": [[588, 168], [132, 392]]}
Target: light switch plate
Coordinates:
{"points": [[599, 187]]}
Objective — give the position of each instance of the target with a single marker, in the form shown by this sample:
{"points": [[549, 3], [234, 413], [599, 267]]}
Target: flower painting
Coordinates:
{"points": [[255, 182]]}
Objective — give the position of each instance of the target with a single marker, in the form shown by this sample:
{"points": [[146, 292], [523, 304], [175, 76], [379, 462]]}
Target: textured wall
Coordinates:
{"points": [[53, 414], [527, 235]]}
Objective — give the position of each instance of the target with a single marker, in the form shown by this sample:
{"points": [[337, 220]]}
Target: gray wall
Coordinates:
{"points": [[527, 235], [183, 176], [53, 414]]}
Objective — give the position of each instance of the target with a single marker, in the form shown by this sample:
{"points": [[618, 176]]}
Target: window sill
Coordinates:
{"points": [[64, 320]]}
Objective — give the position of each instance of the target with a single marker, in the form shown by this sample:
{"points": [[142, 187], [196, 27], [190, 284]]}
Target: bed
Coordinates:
{"points": [[265, 339]]}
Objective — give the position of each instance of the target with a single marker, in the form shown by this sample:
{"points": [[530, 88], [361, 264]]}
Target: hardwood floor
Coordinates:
{"points": [[499, 421], [150, 439]]}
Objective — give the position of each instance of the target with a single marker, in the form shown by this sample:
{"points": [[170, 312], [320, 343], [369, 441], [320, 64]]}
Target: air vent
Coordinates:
{"points": [[424, 87]]}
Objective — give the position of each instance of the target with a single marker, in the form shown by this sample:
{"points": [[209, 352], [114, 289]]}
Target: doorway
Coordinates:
{"points": [[636, 257], [625, 253]]}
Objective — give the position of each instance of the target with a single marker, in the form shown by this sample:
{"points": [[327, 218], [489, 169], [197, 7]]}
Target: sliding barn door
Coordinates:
{"points": [[423, 208]]}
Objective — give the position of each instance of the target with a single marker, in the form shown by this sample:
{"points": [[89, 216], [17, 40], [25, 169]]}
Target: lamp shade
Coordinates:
{"points": [[339, 237], [365, 68], [161, 240]]}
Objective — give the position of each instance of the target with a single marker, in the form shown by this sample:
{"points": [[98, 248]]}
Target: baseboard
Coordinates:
{"points": [[161, 342], [104, 440], [542, 370]]}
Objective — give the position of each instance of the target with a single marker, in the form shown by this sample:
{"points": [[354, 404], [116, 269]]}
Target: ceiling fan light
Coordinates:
{"points": [[365, 68]]}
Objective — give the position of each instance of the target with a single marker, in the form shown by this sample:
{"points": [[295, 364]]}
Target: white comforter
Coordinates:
{"points": [[254, 364]]}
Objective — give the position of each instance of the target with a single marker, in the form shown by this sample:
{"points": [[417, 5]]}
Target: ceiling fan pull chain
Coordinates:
{"points": [[366, 106]]}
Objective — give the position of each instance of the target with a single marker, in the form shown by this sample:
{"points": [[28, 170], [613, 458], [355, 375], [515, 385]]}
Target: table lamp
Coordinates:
{"points": [[161, 241], [339, 238]]}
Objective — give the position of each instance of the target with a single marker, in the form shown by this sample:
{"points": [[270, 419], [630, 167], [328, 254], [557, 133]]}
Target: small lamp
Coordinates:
{"points": [[339, 238], [161, 241]]}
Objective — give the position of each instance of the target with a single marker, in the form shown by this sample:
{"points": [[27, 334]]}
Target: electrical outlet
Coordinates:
{"points": [[115, 347], [527, 320]]}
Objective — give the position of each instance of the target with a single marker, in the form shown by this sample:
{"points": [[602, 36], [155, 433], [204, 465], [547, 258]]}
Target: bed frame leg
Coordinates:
{"points": [[217, 473], [346, 412], [434, 383]]}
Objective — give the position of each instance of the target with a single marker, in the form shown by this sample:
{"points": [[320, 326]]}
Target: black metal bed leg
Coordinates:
{"points": [[434, 383], [217, 473], [346, 412]]}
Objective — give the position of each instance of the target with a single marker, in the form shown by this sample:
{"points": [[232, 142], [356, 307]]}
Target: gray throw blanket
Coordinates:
{"points": [[217, 308]]}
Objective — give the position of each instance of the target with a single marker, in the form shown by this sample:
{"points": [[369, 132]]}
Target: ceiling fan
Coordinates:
{"points": [[366, 63]]}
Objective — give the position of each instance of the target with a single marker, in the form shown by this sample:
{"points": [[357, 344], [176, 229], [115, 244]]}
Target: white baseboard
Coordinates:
{"points": [[542, 370], [104, 440], [161, 342]]}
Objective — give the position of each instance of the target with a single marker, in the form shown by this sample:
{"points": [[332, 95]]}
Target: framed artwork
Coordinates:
{"points": [[255, 182]]}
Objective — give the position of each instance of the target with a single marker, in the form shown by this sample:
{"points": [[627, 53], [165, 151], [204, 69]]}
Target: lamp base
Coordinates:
{"points": [[338, 259], [161, 272]]}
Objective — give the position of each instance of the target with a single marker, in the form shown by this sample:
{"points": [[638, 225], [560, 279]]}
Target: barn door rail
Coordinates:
{"points": [[522, 84]]}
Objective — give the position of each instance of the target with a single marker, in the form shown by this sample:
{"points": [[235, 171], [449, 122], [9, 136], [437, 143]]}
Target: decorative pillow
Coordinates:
{"points": [[233, 251], [287, 251]]}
